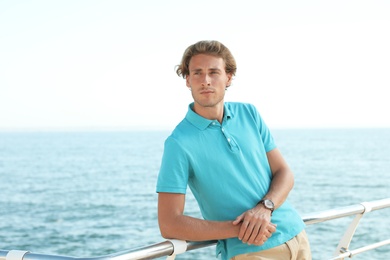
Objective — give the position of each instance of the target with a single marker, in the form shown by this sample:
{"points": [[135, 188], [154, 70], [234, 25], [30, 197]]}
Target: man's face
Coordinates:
{"points": [[208, 80]]}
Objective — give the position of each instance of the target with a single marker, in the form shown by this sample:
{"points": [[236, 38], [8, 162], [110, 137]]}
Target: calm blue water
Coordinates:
{"points": [[93, 193]]}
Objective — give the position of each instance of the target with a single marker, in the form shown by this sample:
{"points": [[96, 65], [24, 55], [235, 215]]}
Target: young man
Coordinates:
{"points": [[227, 156]]}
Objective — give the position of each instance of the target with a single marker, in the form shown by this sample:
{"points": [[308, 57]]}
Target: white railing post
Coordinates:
{"points": [[345, 241]]}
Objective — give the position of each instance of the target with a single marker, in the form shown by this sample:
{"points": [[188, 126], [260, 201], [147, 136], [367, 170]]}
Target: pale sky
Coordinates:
{"points": [[91, 64]]}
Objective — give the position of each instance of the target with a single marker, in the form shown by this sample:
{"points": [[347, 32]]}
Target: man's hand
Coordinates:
{"points": [[256, 226]]}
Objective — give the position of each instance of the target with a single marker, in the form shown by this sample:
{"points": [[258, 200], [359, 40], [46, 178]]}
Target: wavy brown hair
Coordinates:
{"points": [[214, 48]]}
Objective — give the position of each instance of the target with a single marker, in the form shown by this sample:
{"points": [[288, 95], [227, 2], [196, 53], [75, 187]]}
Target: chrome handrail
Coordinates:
{"points": [[166, 248]]}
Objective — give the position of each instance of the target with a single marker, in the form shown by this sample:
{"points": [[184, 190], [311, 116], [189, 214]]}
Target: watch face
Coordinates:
{"points": [[269, 204]]}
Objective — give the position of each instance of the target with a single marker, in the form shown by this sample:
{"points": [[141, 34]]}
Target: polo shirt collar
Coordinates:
{"points": [[202, 123]]}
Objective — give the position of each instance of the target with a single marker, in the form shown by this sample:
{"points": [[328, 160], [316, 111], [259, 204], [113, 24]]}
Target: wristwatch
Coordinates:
{"points": [[268, 204]]}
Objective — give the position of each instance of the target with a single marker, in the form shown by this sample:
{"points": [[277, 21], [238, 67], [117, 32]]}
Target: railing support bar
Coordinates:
{"points": [[351, 253], [348, 235]]}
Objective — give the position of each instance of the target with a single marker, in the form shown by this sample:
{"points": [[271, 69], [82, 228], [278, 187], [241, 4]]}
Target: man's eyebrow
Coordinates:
{"points": [[211, 69], [196, 70]]}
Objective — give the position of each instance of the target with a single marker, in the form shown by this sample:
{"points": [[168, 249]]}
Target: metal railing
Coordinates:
{"points": [[171, 248]]}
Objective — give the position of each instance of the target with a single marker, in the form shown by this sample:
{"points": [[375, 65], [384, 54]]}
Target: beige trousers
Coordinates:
{"points": [[297, 248]]}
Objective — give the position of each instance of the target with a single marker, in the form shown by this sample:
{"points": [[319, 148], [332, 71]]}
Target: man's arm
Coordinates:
{"points": [[282, 180], [175, 225]]}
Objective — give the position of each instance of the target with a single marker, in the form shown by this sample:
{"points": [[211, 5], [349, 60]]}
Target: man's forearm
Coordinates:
{"points": [[281, 185], [193, 229]]}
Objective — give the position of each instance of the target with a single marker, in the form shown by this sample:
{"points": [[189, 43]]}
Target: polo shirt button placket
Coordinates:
{"points": [[227, 137]]}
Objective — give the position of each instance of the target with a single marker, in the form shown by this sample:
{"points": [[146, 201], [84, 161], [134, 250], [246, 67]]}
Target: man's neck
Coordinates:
{"points": [[212, 113]]}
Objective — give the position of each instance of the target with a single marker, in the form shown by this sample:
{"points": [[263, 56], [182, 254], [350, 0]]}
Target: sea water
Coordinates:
{"points": [[88, 194]]}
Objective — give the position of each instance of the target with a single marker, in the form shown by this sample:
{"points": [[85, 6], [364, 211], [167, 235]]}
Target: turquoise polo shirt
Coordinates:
{"points": [[226, 167]]}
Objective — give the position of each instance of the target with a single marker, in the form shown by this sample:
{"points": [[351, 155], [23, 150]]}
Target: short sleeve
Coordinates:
{"points": [[174, 170], [266, 136]]}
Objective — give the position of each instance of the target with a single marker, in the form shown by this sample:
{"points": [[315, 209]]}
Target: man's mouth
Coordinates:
{"points": [[207, 91]]}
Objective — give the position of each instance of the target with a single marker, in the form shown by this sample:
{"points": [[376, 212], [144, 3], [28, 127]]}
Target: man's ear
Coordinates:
{"points": [[230, 78]]}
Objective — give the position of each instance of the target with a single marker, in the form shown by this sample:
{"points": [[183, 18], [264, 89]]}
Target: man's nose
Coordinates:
{"points": [[206, 80]]}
